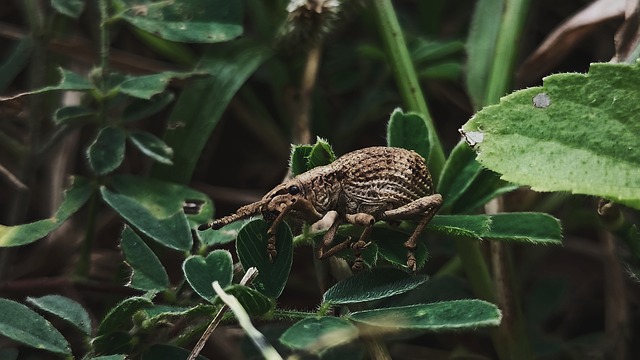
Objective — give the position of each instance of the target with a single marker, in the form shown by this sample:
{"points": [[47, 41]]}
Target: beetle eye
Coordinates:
{"points": [[294, 190]]}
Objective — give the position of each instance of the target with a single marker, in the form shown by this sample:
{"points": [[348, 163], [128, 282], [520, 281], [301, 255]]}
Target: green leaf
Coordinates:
{"points": [[224, 235], [321, 154], [71, 8], [408, 131], [298, 161], [70, 113], [464, 226], [391, 246], [481, 45], [186, 21], [157, 208], [535, 228], [465, 185], [203, 101], [109, 357], [66, 309], [74, 198], [15, 62], [251, 247], [316, 335], [160, 315], [148, 274], [113, 342], [251, 300], [142, 108], [442, 316], [576, 133], [202, 271], [167, 352], [106, 152], [171, 231], [69, 81], [372, 285], [147, 86], [19, 323], [152, 146], [120, 316]]}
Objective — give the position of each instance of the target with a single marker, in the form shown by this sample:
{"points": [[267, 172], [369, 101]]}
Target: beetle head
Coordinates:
{"points": [[280, 198]]}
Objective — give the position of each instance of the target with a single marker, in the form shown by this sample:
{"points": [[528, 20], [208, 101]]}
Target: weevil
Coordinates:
{"points": [[362, 187]]}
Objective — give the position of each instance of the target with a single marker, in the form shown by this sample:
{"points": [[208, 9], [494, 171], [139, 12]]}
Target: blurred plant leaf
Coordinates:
{"points": [[390, 244], [152, 146], [66, 309], [147, 86], [465, 185], [142, 108], [15, 62], [70, 113], [109, 357], [372, 285], [147, 274], [202, 271], [566, 36], [71, 8], [185, 21], [251, 246], [316, 335], [408, 131], [106, 152], [442, 316], [113, 342], [576, 133], [203, 101], [167, 352], [481, 44], [76, 196], [68, 81], [19, 323], [120, 316], [254, 302]]}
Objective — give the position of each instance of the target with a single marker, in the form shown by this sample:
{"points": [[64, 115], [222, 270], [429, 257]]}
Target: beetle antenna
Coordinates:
{"points": [[242, 213]]}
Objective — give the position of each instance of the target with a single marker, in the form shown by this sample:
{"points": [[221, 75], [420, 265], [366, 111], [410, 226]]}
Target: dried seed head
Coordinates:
{"points": [[309, 21]]}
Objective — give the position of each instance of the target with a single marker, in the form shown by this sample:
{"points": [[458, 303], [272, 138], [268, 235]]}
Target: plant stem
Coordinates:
{"points": [[84, 263], [406, 78]]}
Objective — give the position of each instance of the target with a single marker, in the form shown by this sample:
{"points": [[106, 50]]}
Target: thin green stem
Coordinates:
{"points": [[84, 263], [406, 78], [104, 45]]}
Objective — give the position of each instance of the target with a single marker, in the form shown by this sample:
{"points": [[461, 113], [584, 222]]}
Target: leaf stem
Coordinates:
{"points": [[406, 78]]}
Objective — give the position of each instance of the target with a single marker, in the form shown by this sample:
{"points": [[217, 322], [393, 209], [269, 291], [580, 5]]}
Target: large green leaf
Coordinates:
{"points": [[106, 152], [251, 247], [576, 133], [187, 20], [147, 86], [224, 235], [19, 323], [202, 271], [441, 316], [66, 309], [74, 198], [298, 161], [202, 103], [157, 208], [147, 272], [71, 8], [372, 285], [316, 335], [409, 131]]}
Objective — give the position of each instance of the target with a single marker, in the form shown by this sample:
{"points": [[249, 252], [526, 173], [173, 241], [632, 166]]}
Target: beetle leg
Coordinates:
{"points": [[271, 232], [425, 207], [328, 239], [366, 220]]}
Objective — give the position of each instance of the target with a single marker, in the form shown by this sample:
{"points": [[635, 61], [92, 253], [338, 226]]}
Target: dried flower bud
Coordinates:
{"points": [[308, 21]]}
